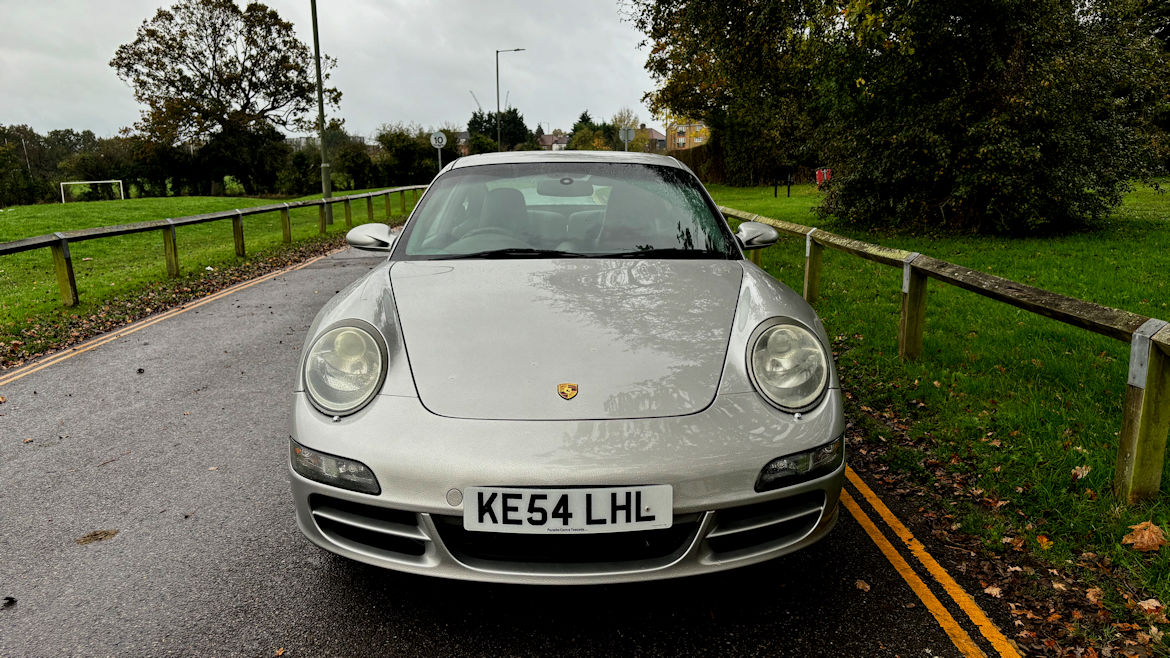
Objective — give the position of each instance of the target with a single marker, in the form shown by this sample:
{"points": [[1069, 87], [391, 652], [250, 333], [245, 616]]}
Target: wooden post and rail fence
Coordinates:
{"points": [[1146, 420], [58, 243]]}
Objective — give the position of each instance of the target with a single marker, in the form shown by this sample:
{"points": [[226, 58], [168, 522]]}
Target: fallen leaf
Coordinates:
{"points": [[1060, 587], [992, 590], [862, 585], [28, 440], [1044, 541], [1094, 594], [3, 399], [936, 384], [278, 652], [1150, 606], [213, 468], [1145, 537], [1080, 472], [96, 535]]}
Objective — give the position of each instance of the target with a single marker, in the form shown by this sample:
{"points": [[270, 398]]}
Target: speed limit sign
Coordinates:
{"points": [[439, 140]]}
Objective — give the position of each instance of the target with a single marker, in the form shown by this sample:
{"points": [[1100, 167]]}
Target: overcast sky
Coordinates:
{"points": [[397, 61]]}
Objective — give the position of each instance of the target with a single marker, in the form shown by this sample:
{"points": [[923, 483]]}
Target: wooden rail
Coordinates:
{"points": [[1146, 420], [58, 243]]}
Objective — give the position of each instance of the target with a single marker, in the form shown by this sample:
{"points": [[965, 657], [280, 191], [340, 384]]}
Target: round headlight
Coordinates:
{"points": [[344, 368], [788, 365]]}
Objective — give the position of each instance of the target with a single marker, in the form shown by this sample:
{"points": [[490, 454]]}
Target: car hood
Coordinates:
{"points": [[494, 339]]}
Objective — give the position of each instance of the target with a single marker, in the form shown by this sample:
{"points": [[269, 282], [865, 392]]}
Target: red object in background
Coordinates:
{"points": [[824, 175]]}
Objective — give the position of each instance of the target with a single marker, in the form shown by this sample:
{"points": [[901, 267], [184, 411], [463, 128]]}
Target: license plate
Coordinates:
{"points": [[549, 511]]}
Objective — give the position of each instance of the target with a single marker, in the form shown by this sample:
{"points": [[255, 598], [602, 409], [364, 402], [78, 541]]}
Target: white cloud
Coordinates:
{"points": [[398, 61]]}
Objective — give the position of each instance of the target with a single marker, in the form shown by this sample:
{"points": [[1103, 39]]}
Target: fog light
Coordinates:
{"points": [[802, 466], [333, 470]]}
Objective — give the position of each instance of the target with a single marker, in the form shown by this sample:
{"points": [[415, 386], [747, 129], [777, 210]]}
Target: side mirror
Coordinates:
{"points": [[754, 235], [374, 236]]}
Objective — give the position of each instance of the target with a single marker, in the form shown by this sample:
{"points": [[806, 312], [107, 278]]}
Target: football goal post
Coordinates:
{"points": [[121, 190]]}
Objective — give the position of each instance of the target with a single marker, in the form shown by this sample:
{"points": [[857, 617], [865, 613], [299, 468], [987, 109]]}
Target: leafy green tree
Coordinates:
{"points": [[513, 131], [209, 72], [480, 143], [482, 123], [584, 122], [1007, 115], [353, 165], [1010, 116], [205, 66]]}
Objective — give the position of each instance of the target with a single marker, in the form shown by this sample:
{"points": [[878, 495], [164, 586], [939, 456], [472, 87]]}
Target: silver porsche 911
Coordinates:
{"points": [[566, 372]]}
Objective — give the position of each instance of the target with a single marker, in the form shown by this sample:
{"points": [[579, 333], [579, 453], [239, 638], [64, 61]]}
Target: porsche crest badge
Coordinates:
{"points": [[567, 391]]}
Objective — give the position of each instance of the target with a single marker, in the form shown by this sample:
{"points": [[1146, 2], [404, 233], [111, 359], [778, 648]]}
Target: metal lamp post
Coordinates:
{"points": [[326, 181], [499, 145]]}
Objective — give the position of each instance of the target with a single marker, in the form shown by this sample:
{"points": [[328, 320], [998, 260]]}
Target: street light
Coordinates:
{"points": [[326, 180], [499, 145]]}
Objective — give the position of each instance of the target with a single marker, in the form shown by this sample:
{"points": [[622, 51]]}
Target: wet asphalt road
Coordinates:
{"points": [[186, 460]]}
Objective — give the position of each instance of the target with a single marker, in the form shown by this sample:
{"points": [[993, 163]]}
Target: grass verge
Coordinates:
{"points": [[123, 278], [1006, 429]]}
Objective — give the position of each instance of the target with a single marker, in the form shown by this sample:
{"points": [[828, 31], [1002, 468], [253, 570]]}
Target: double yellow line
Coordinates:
{"points": [[54, 359], [954, 630]]}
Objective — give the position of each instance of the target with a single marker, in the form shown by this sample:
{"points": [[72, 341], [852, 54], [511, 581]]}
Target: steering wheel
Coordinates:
{"points": [[485, 230]]}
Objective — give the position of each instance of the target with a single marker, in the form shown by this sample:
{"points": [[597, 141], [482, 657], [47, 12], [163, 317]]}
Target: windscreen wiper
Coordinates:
{"points": [[514, 252], [666, 252]]}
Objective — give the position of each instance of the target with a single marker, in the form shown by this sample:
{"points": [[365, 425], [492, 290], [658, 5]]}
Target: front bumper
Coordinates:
{"points": [[711, 459]]}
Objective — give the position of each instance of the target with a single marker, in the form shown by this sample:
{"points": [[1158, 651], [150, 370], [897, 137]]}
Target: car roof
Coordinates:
{"points": [[518, 157]]}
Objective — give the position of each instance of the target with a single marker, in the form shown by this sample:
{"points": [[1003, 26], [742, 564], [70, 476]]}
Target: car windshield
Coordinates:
{"points": [[565, 210]]}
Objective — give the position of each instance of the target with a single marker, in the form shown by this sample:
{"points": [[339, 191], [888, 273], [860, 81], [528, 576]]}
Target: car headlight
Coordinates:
{"points": [[788, 365], [345, 367], [802, 466]]}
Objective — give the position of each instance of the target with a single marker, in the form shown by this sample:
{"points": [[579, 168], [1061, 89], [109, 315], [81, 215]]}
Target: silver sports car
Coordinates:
{"points": [[566, 372]]}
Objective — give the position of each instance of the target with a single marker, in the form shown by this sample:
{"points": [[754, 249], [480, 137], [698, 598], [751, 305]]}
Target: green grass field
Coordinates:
{"points": [[1004, 403], [109, 268]]}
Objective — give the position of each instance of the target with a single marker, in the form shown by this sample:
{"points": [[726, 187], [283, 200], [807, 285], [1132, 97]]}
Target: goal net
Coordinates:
{"points": [[121, 190]]}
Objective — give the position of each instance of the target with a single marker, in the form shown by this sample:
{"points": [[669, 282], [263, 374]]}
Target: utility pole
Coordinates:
{"points": [[499, 145], [326, 181]]}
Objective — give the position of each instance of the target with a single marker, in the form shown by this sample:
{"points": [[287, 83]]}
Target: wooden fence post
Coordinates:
{"points": [[386, 200], [754, 255], [348, 215], [1146, 420], [812, 268], [321, 222], [63, 263], [170, 249], [403, 195], [370, 208], [913, 318], [285, 226], [238, 232]]}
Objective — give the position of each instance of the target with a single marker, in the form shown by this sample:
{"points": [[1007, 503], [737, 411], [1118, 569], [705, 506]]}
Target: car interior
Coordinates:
{"points": [[586, 215]]}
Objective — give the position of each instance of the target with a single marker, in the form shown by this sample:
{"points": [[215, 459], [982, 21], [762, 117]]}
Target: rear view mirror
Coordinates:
{"points": [[564, 187], [371, 237], [754, 235]]}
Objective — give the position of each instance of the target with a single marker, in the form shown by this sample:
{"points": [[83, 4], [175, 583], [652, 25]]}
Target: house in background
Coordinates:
{"points": [[685, 134], [553, 142], [655, 141]]}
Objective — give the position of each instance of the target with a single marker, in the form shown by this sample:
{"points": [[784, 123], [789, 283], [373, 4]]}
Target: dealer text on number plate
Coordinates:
{"points": [[551, 511]]}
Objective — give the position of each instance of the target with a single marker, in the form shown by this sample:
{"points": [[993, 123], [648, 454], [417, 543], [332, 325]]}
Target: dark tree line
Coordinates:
{"points": [[1004, 115]]}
